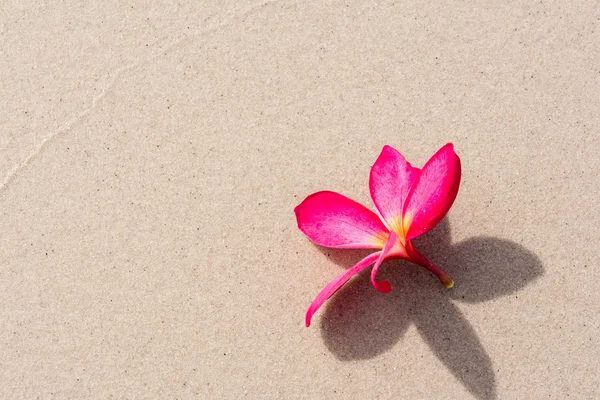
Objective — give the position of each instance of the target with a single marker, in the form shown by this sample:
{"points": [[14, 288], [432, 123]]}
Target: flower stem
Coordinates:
{"points": [[431, 267]]}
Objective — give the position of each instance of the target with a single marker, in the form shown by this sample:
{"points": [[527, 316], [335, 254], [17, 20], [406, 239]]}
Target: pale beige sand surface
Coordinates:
{"points": [[151, 155]]}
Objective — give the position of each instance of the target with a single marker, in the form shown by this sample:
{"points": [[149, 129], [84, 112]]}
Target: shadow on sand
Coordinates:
{"points": [[361, 323]]}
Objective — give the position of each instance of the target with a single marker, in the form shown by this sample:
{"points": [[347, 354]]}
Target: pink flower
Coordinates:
{"points": [[409, 202]]}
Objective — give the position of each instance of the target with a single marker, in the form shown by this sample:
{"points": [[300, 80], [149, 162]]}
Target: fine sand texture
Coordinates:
{"points": [[152, 154]]}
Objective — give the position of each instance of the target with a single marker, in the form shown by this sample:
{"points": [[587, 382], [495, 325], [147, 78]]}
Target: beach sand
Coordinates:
{"points": [[151, 157]]}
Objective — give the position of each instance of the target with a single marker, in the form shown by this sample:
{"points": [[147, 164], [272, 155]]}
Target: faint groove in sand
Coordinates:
{"points": [[67, 127], [232, 16]]}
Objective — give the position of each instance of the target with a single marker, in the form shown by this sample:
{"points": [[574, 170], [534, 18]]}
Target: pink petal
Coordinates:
{"points": [[332, 220], [390, 182], [337, 283], [417, 258], [383, 286], [434, 192]]}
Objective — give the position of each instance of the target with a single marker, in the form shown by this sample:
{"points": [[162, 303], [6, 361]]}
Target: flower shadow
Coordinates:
{"points": [[361, 323]]}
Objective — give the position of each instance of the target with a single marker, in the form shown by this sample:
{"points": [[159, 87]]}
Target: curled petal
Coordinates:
{"points": [[433, 193], [332, 220], [337, 283], [390, 181], [417, 258], [383, 286]]}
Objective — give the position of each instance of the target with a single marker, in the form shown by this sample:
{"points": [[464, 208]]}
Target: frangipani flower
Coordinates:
{"points": [[409, 202]]}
